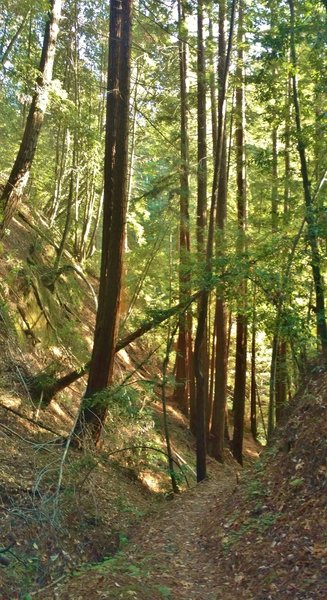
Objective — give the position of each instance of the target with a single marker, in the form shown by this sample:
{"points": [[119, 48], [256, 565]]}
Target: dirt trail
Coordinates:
{"points": [[167, 557]]}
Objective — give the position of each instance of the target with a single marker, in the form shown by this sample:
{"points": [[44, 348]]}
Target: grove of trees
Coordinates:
{"points": [[181, 160]]}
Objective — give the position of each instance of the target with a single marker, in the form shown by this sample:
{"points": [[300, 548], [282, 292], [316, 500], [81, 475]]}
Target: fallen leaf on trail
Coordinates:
{"points": [[319, 550]]}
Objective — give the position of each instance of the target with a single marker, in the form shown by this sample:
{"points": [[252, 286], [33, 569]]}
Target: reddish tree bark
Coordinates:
{"points": [[184, 345], [94, 408], [199, 366], [201, 210], [217, 435], [241, 321]]}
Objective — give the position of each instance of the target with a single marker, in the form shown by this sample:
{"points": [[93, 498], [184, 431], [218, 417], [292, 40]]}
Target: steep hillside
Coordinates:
{"points": [[61, 510], [271, 541]]}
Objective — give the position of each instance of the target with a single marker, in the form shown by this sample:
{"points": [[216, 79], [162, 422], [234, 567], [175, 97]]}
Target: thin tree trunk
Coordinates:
{"points": [[62, 150], [59, 173], [253, 403], [88, 216], [274, 184], [77, 102], [182, 351], [217, 432], [26, 90], [274, 228], [272, 380], [211, 377], [281, 366], [13, 40], [287, 159], [309, 209], [170, 339], [18, 179], [212, 86], [92, 243], [281, 379], [68, 219]]}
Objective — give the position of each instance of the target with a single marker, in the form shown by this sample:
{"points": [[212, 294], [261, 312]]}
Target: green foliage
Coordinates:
{"points": [[258, 524], [165, 591], [7, 317], [255, 488], [69, 166], [296, 482]]}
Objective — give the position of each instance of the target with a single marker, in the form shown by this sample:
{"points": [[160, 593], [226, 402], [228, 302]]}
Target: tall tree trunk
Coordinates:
{"points": [[68, 212], [199, 367], [93, 237], [217, 433], [88, 215], [287, 152], [28, 56], [272, 379], [241, 321], [274, 228], [60, 172], [274, 183], [201, 212], [253, 397], [77, 102], [309, 208], [18, 179], [212, 86], [281, 378], [94, 407], [281, 359], [182, 351]]}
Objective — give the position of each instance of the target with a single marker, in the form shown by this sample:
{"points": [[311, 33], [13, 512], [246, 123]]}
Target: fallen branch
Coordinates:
{"points": [[50, 390], [35, 228], [33, 421], [12, 432], [50, 585], [142, 447], [137, 447]]}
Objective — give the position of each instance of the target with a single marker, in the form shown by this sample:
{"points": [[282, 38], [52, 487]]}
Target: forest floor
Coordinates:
{"points": [[104, 525], [263, 537], [257, 533]]}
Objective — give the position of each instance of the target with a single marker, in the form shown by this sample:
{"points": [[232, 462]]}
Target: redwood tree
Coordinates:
{"points": [[201, 208], [184, 342], [199, 367], [94, 407], [220, 390], [241, 321]]}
